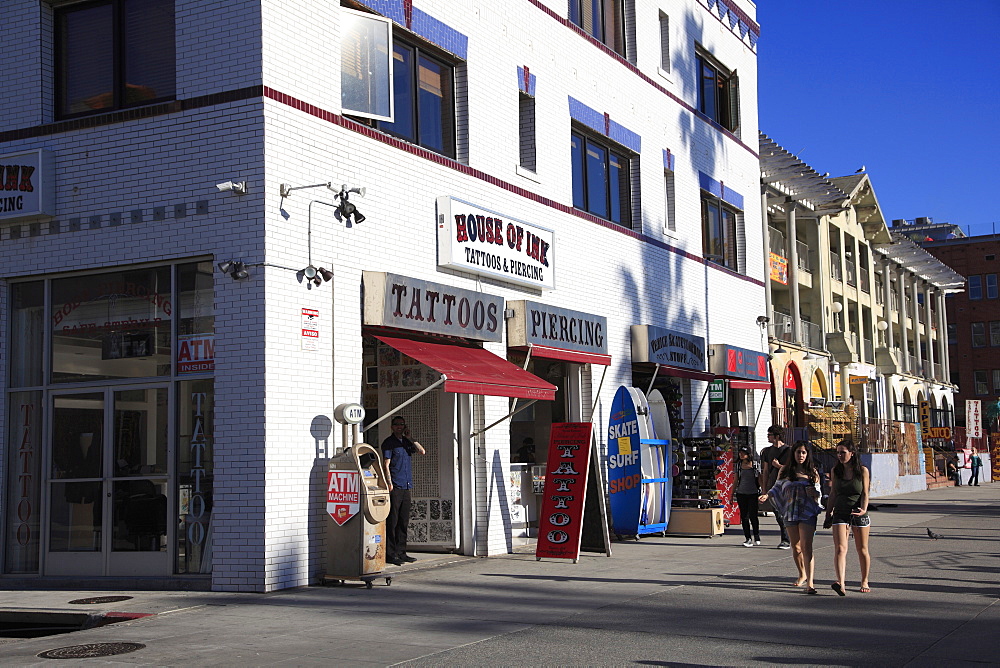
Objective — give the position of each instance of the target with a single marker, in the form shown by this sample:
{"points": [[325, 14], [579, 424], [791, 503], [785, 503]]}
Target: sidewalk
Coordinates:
{"points": [[656, 601]]}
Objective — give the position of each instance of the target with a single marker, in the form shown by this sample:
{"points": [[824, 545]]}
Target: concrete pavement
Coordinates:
{"points": [[660, 601]]}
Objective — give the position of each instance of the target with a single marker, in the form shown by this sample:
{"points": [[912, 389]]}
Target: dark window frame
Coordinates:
{"points": [[992, 291], [728, 222], [723, 104], [119, 84], [975, 291], [581, 178], [980, 380], [418, 51], [978, 340], [612, 11]]}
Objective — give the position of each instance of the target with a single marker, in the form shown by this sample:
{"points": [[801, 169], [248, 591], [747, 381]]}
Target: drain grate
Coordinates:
{"points": [[91, 650], [97, 600]]}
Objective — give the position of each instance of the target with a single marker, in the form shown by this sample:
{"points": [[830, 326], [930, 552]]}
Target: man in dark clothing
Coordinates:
{"points": [[772, 459], [398, 451]]}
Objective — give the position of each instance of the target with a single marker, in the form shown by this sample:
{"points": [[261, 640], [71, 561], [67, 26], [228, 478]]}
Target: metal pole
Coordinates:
{"points": [[409, 401], [655, 374]]}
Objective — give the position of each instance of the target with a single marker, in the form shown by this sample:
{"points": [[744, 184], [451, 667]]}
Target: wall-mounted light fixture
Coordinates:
{"points": [[237, 269], [346, 209], [318, 275], [235, 187]]}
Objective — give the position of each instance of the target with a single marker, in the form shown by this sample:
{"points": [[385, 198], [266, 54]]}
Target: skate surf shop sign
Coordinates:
{"points": [[624, 467], [392, 300], [27, 186], [487, 243], [560, 524], [343, 495]]}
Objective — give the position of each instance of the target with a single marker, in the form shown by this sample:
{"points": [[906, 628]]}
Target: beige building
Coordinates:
{"points": [[857, 328]]}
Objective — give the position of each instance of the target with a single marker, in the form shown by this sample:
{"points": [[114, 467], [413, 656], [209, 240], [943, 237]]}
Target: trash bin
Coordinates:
{"points": [[357, 504]]}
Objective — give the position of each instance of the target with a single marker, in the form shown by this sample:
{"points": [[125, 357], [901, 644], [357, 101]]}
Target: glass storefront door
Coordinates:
{"points": [[109, 482]]}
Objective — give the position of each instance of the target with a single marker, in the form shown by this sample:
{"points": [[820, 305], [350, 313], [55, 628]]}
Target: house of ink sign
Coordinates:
{"points": [[27, 186], [392, 300], [554, 327], [657, 345], [487, 243]]}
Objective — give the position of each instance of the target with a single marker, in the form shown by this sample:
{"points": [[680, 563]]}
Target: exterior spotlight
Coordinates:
{"points": [[326, 274], [240, 271], [346, 209], [225, 266], [309, 272]]}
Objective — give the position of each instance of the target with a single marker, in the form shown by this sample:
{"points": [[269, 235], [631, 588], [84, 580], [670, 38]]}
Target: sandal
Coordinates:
{"points": [[811, 590], [836, 586], [865, 590], [798, 583]]}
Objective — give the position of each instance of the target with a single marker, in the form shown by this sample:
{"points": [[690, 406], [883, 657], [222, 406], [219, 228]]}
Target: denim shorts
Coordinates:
{"points": [[852, 520]]}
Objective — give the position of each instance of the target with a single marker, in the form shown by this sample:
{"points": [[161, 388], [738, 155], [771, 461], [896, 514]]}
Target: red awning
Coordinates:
{"points": [[749, 385], [679, 372], [566, 355], [469, 370]]}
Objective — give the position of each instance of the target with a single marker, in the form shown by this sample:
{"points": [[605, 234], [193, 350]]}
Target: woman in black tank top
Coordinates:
{"points": [[847, 508]]}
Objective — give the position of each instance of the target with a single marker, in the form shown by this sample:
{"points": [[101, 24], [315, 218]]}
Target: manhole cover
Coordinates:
{"points": [[100, 599], [92, 650]]}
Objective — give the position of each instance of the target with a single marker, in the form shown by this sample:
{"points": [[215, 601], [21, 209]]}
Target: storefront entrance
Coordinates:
{"points": [[109, 482]]}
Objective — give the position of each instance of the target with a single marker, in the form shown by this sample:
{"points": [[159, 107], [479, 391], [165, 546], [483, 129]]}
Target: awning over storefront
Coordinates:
{"points": [[469, 370], [549, 352], [678, 372], [749, 385]]}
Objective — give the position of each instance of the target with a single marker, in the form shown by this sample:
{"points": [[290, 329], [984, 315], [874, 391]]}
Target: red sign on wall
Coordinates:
{"points": [[560, 523]]}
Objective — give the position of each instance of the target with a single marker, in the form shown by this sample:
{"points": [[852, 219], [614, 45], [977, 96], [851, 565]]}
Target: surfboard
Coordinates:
{"points": [[660, 420]]}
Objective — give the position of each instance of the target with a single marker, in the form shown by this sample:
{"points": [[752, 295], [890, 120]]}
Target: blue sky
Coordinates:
{"points": [[909, 89]]}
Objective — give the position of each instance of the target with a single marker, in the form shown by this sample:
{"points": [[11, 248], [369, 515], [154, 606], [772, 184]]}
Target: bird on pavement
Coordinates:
{"points": [[931, 534]]}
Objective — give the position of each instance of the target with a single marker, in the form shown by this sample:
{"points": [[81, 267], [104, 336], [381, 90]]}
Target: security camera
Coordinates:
{"points": [[236, 187]]}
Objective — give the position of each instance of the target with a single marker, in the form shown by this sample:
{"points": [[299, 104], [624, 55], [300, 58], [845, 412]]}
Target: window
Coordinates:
{"points": [[718, 93], [668, 189], [604, 20], [424, 99], [114, 54], [995, 332], [978, 335], [975, 287], [991, 286], [981, 381], [365, 65], [601, 179], [526, 131], [952, 333], [718, 229], [664, 42], [996, 381]]}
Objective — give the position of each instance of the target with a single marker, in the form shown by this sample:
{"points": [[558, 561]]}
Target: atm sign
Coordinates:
{"points": [[343, 495]]}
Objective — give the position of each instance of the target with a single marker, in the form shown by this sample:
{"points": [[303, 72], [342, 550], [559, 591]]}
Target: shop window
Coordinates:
{"points": [[23, 482], [114, 54], [975, 287], [718, 92], [365, 65], [195, 319], [665, 43], [991, 286], [423, 99], [27, 333], [526, 131], [981, 382], [601, 179], [604, 20], [978, 335], [112, 325], [720, 232], [195, 475]]}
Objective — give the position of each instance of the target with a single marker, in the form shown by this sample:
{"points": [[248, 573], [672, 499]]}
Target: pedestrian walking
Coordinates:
{"points": [[847, 510], [772, 458], [746, 493], [795, 496], [976, 463]]}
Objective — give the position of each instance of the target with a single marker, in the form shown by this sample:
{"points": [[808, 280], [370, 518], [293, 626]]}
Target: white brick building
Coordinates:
{"points": [[170, 421]]}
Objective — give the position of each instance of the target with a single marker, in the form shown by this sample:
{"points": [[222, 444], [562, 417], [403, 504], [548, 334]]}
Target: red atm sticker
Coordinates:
{"points": [[560, 524], [343, 495]]}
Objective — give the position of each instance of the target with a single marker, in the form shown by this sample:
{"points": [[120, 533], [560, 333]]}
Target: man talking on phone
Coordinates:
{"points": [[398, 451]]}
